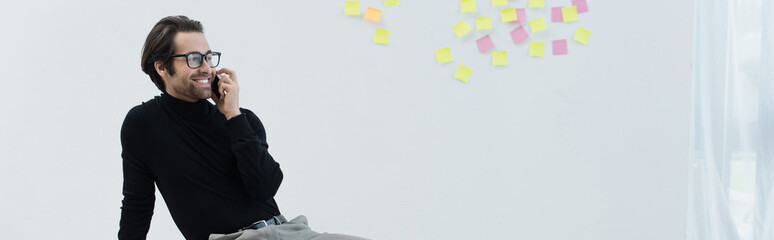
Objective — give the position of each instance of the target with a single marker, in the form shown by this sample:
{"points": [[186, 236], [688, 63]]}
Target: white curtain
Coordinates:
{"points": [[732, 141]]}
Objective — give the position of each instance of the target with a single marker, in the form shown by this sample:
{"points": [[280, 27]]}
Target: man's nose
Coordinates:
{"points": [[205, 68]]}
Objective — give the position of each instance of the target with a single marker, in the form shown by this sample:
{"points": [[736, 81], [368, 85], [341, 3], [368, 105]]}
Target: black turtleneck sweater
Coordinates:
{"points": [[216, 176]]}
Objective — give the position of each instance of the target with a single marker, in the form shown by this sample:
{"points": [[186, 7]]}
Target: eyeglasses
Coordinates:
{"points": [[195, 59]]}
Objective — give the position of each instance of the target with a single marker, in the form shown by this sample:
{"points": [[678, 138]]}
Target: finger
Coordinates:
{"points": [[225, 78], [230, 73], [228, 82], [224, 88], [223, 83]]}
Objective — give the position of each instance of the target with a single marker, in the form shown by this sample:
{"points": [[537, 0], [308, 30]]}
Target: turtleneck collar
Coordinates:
{"points": [[186, 109]]}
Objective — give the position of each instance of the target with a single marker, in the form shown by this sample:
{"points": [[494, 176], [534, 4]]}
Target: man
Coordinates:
{"points": [[210, 163]]}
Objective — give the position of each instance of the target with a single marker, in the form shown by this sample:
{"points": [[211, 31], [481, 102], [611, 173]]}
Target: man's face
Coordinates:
{"points": [[189, 84]]}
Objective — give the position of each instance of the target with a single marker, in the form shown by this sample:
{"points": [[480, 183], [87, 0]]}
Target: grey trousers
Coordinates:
{"points": [[296, 229]]}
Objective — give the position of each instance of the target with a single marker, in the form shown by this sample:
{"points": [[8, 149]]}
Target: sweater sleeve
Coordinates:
{"points": [[260, 174], [139, 191]]}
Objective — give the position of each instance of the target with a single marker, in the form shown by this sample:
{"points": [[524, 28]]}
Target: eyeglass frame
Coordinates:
{"points": [[203, 57]]}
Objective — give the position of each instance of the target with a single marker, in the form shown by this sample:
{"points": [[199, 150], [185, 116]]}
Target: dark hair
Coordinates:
{"points": [[160, 45]]}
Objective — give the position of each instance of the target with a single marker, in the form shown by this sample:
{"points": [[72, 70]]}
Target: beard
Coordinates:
{"points": [[190, 89]]}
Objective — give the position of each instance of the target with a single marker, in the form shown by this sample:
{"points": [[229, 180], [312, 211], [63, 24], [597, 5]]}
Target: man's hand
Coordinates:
{"points": [[228, 104]]}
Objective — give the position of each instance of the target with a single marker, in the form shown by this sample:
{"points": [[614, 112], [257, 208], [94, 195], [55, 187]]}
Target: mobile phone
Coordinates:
{"points": [[214, 87]]}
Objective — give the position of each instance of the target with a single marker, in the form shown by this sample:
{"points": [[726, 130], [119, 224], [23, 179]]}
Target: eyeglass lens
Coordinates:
{"points": [[195, 59]]}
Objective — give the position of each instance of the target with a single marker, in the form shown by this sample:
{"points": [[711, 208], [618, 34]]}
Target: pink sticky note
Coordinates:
{"points": [[556, 14], [560, 47], [485, 44], [581, 4], [519, 34], [522, 15]]}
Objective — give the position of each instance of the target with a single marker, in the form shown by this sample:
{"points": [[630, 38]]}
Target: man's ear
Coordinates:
{"points": [[160, 69]]}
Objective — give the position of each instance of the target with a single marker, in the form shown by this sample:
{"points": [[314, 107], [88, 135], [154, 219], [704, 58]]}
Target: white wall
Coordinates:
{"points": [[377, 141]]}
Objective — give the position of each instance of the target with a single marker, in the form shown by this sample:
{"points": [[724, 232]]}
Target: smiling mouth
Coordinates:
{"points": [[201, 79]]}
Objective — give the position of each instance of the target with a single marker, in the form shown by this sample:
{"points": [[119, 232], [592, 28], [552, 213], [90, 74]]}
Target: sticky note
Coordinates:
{"points": [[560, 47], [468, 5], [499, 58], [352, 8], [443, 55], [391, 2], [556, 14], [519, 34], [485, 44], [497, 3], [461, 28], [373, 14], [581, 4], [536, 3], [508, 15], [582, 36], [483, 23], [537, 25], [521, 15], [570, 14], [381, 36], [536, 49], [463, 73]]}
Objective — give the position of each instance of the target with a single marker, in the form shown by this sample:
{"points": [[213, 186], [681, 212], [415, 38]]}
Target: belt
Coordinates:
{"points": [[276, 220]]}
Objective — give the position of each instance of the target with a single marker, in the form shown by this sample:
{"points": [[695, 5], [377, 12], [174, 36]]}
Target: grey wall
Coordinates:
{"points": [[377, 141]]}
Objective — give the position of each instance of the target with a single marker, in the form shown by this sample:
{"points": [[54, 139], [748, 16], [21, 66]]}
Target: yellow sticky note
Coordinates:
{"points": [[536, 3], [483, 23], [391, 2], [582, 36], [382, 36], [461, 28], [463, 73], [496, 3], [536, 49], [352, 8], [570, 14], [443, 55], [373, 14], [468, 5], [499, 58], [508, 15], [537, 24]]}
